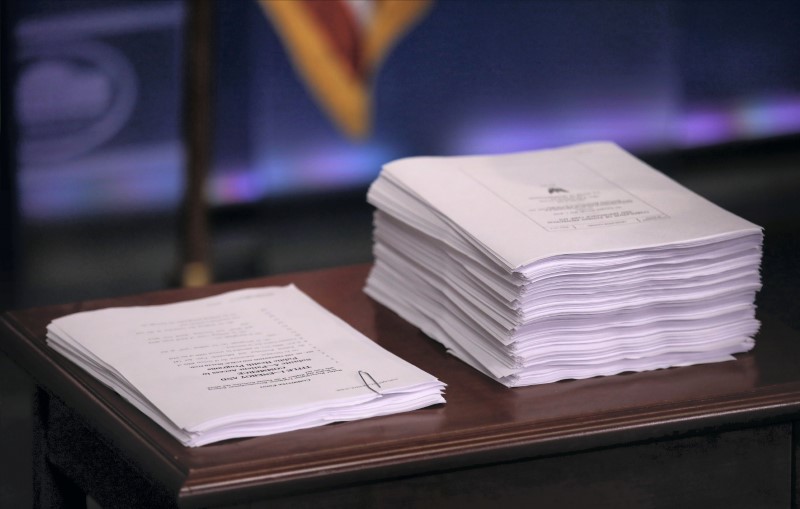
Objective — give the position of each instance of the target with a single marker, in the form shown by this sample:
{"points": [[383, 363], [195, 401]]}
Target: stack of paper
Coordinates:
{"points": [[245, 363], [568, 263]]}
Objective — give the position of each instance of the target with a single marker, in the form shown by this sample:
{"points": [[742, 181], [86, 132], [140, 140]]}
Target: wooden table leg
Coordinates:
{"points": [[51, 488]]}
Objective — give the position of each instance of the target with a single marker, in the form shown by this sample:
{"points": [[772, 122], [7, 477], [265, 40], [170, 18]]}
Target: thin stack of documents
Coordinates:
{"points": [[568, 263], [246, 363]]}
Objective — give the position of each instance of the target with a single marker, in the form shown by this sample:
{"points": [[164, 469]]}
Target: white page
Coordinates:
{"points": [[661, 279], [587, 198], [565, 263], [266, 353]]}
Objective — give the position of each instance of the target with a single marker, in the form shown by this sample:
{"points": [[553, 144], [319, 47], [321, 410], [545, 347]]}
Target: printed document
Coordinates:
{"points": [[249, 362], [572, 262]]}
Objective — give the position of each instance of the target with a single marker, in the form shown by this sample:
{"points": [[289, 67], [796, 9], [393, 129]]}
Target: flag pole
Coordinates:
{"points": [[197, 132]]}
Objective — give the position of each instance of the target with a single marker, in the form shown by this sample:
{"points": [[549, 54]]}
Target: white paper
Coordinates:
{"points": [[587, 198], [565, 263], [249, 362]]}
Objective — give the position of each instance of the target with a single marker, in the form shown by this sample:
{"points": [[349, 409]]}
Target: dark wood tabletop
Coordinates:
{"points": [[482, 423]]}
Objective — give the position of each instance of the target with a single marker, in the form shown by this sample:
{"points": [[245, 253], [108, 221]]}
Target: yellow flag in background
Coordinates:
{"points": [[337, 46]]}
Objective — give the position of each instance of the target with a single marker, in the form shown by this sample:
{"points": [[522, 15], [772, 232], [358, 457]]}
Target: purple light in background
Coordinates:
{"points": [[752, 118], [343, 165], [499, 134], [126, 180], [130, 180], [776, 115], [235, 186], [322, 167], [704, 126], [78, 198], [701, 125]]}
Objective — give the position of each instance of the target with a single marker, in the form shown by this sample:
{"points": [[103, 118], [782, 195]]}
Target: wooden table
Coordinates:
{"points": [[720, 435]]}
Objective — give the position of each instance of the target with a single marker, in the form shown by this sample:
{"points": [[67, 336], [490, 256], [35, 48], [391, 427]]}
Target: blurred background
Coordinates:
{"points": [[94, 98], [94, 153]]}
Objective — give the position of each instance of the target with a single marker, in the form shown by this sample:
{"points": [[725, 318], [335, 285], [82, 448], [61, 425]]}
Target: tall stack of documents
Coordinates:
{"points": [[568, 263]]}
